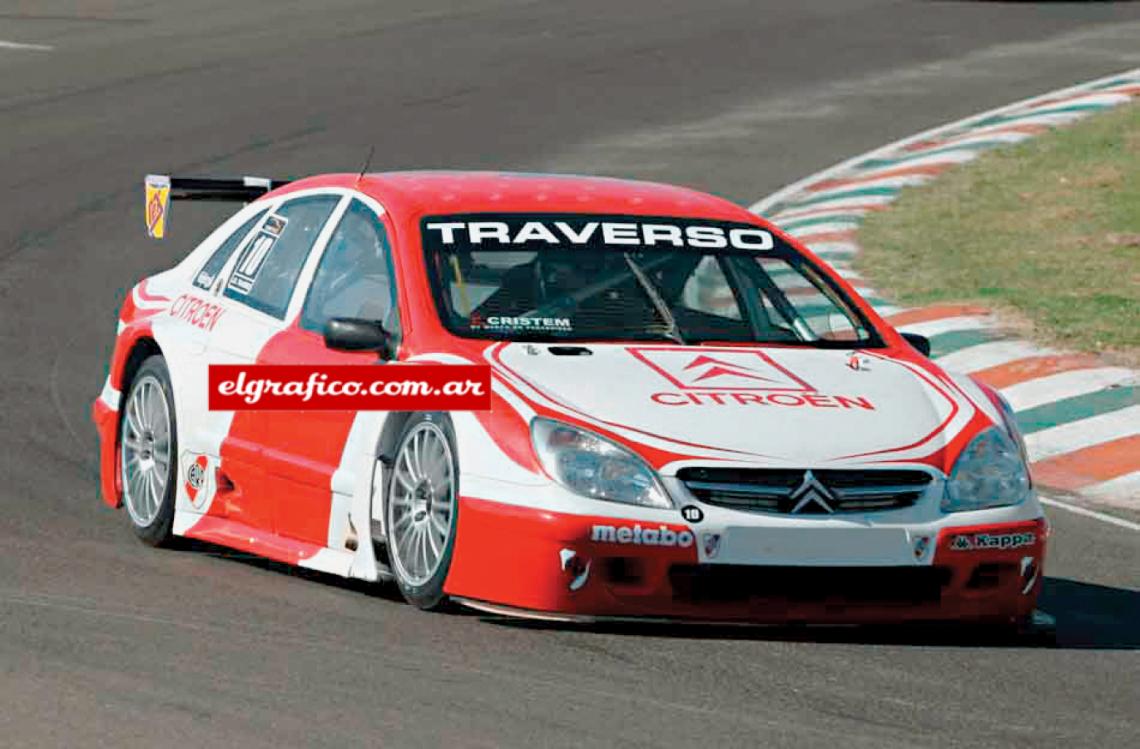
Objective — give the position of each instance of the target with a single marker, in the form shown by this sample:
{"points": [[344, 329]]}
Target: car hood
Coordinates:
{"points": [[779, 405]]}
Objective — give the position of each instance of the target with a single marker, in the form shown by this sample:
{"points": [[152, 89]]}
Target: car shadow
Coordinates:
{"points": [[383, 590], [1088, 617], [1092, 616]]}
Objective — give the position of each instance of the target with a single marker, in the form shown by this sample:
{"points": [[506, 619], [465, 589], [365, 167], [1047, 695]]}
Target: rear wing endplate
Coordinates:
{"points": [[161, 189]]}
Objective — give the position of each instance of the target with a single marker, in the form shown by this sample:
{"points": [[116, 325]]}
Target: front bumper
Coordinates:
{"points": [[542, 563]]}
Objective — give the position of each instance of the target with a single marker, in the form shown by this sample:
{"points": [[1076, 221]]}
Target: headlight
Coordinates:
{"points": [[592, 466], [990, 472]]}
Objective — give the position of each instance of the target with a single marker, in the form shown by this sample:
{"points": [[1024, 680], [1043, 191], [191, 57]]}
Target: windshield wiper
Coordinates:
{"points": [[672, 330]]}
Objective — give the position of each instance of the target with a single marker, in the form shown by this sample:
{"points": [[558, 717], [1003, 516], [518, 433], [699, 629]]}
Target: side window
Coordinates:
{"points": [[708, 291], [267, 269], [209, 272], [825, 314], [354, 277]]}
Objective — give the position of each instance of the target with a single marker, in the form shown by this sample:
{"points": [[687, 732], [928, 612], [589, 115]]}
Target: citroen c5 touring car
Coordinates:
{"points": [[690, 415]]}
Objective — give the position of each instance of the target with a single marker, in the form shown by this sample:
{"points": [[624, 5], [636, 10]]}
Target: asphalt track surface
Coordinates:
{"points": [[104, 641]]}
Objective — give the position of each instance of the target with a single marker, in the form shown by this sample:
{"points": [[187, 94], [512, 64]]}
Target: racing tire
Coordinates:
{"points": [[421, 509], [148, 453]]}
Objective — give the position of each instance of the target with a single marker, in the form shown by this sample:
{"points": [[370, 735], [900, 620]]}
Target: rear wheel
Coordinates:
{"points": [[147, 450], [422, 508]]}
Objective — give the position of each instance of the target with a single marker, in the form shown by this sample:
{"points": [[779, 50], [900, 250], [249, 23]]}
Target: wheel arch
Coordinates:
{"points": [[143, 348], [390, 435]]}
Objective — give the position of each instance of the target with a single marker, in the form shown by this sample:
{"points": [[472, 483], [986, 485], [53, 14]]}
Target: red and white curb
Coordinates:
{"points": [[1081, 417]]}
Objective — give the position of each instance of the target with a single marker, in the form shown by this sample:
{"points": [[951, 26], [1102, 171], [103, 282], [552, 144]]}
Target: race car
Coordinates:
{"points": [[690, 415]]}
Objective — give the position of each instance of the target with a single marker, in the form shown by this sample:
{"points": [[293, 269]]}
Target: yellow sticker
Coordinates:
{"points": [[157, 204]]}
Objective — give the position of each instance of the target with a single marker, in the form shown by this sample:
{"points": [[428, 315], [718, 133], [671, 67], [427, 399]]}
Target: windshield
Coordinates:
{"points": [[575, 277]]}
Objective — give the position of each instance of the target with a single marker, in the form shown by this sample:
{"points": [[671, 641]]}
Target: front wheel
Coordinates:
{"points": [[147, 450], [422, 508]]}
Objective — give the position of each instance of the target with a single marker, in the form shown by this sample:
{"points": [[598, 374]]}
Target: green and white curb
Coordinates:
{"points": [[1081, 417]]}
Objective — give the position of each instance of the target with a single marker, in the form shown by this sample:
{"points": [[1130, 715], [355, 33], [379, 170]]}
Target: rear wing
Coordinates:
{"points": [[161, 189]]}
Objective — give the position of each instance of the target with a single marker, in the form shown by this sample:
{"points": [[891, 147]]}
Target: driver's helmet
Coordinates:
{"points": [[566, 271]]}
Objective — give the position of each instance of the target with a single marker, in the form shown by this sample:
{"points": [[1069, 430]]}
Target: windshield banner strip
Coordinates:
{"points": [[539, 231]]}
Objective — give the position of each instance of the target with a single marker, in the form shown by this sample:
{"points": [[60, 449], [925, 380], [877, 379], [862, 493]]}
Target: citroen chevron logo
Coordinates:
{"points": [[810, 492], [717, 368]]}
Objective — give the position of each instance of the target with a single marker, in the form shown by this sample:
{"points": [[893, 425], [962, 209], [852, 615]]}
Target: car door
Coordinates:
{"points": [[256, 294], [308, 474]]}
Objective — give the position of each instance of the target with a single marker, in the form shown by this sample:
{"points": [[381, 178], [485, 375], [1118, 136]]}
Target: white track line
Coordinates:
{"points": [[822, 228], [1063, 385], [935, 156], [1067, 438], [850, 209], [1112, 491], [838, 248], [21, 45], [895, 183], [1055, 119], [1103, 98], [983, 137], [838, 204], [948, 325], [986, 355], [844, 269], [1104, 518]]}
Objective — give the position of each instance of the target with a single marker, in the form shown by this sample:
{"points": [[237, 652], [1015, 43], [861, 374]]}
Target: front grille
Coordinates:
{"points": [[823, 491], [712, 583]]}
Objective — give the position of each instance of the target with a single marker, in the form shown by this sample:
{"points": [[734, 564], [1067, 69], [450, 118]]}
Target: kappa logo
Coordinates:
{"points": [[722, 370], [992, 541]]}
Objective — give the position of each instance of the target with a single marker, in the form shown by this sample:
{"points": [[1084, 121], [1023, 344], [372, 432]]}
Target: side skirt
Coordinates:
{"points": [[235, 535]]}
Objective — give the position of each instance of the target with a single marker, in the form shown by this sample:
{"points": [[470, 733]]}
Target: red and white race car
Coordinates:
{"points": [[691, 416]]}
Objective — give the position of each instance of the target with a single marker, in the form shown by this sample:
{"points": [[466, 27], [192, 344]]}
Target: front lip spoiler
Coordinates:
{"points": [[1039, 624], [514, 612]]}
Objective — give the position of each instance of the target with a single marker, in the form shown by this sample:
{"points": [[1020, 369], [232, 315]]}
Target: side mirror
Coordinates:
{"points": [[355, 334], [920, 342]]}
